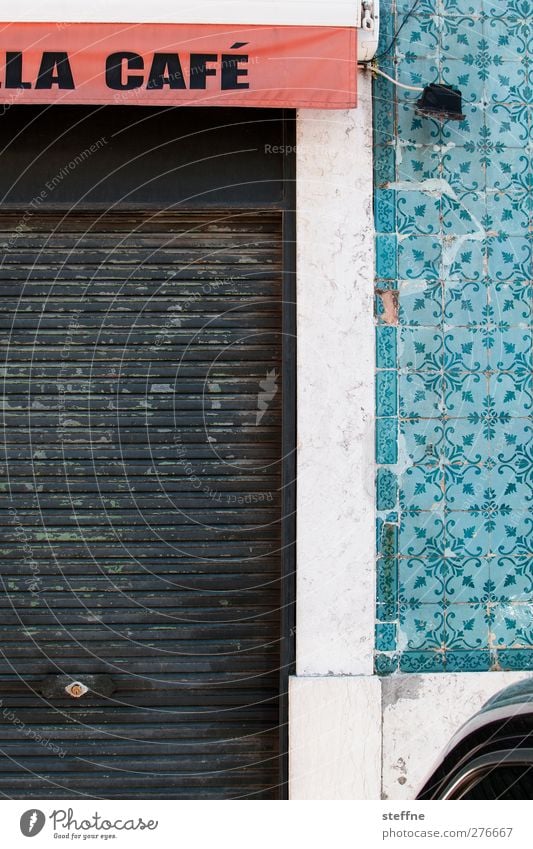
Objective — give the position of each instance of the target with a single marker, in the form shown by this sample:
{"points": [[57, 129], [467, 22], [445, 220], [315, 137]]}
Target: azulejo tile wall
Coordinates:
{"points": [[454, 446]]}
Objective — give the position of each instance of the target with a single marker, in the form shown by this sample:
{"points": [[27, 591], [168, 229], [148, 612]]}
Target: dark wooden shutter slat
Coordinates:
{"points": [[172, 592]]}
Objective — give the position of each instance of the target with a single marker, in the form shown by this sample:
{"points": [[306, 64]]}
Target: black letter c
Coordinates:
{"points": [[113, 71]]}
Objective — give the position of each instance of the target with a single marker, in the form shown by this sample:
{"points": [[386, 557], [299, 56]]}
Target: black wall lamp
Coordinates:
{"points": [[439, 101], [442, 102]]}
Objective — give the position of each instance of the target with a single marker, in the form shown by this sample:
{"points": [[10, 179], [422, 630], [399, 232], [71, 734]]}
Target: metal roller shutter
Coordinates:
{"points": [[140, 504]]}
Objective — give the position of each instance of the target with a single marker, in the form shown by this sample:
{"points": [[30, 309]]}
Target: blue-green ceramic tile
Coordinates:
{"points": [[465, 483], [513, 480], [466, 535], [466, 349], [464, 302], [386, 256], [420, 662], [465, 260], [457, 8], [463, 170], [386, 490], [422, 487], [468, 661], [515, 659], [509, 165], [465, 393], [419, 580], [417, 213], [423, 440], [387, 588], [512, 303], [421, 395], [385, 161], [462, 214], [388, 540], [458, 40], [383, 95], [385, 210], [419, 258], [383, 121], [507, 84], [422, 627], [386, 347], [508, 212], [420, 303], [510, 350], [387, 26], [421, 534], [510, 260], [457, 71], [461, 133], [386, 441], [418, 38], [420, 349], [414, 129], [386, 393], [512, 440], [415, 71], [508, 123], [419, 163], [511, 394], [386, 636], [385, 664], [386, 612], [512, 625], [504, 26], [467, 580], [467, 627], [467, 441], [512, 535], [513, 576]]}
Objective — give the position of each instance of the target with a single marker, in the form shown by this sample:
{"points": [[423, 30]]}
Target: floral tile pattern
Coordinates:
{"points": [[454, 341]]}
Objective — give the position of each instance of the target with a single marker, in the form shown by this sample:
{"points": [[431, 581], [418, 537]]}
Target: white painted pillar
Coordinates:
{"points": [[334, 702]]}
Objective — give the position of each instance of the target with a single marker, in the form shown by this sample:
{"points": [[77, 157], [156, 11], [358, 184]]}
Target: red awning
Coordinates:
{"points": [[178, 64]]}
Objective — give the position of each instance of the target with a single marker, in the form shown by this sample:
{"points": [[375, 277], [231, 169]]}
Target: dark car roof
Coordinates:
{"points": [[519, 693], [507, 716]]}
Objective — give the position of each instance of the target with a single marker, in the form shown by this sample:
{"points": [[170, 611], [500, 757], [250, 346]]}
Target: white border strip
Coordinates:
{"points": [[333, 13]]}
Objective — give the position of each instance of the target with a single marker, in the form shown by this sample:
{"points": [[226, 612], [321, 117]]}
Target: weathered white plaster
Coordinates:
{"points": [[421, 713], [335, 738], [335, 570]]}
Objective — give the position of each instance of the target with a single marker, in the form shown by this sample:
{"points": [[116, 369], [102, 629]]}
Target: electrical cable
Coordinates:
{"points": [[377, 70]]}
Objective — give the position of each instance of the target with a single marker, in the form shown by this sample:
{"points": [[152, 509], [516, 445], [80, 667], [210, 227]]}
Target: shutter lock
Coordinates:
{"points": [[60, 686], [76, 689]]}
